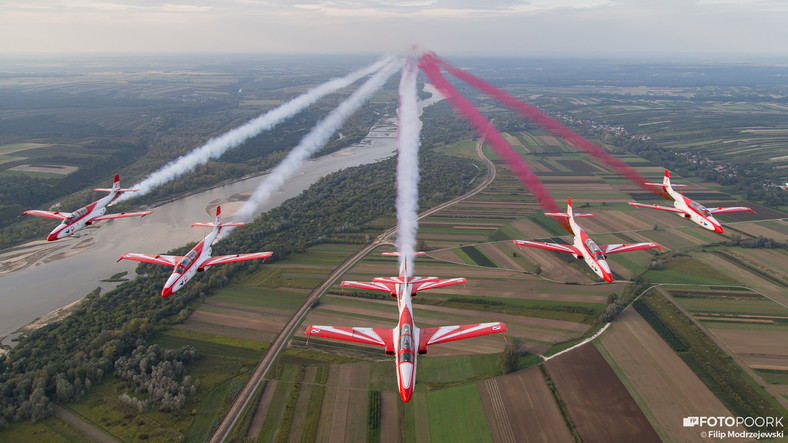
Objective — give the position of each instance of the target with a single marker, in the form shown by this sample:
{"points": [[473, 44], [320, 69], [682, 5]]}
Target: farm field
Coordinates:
{"points": [[602, 410], [749, 325], [520, 407], [663, 386], [473, 239], [629, 385]]}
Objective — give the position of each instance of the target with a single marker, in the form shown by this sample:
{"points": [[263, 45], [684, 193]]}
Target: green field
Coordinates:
{"points": [[457, 415], [707, 135]]}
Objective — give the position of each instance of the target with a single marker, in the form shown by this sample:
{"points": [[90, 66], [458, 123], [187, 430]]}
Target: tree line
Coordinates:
{"points": [[79, 351]]}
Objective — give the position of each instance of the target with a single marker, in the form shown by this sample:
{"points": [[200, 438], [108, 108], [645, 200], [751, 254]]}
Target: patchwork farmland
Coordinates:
{"points": [[629, 384]]}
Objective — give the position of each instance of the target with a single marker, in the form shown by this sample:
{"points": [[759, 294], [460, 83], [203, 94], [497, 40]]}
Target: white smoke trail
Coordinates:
{"points": [[215, 147], [408, 166], [313, 141]]}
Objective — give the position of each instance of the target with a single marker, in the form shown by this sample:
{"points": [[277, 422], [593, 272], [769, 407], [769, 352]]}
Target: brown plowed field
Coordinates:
{"points": [[498, 420], [774, 260], [388, 417], [659, 378], [757, 348], [515, 142], [663, 218], [503, 260], [262, 410], [746, 277], [758, 229], [598, 403], [779, 363], [552, 266], [240, 320], [626, 220], [530, 229], [520, 407], [343, 416], [227, 331]]}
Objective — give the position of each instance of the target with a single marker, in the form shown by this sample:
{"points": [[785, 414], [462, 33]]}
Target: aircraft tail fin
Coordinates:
{"points": [[569, 212], [666, 185], [115, 187], [218, 222]]}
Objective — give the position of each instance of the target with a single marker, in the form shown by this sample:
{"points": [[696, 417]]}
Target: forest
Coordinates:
{"points": [[107, 331]]}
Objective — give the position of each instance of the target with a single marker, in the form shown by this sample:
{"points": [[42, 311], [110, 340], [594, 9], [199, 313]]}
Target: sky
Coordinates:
{"points": [[448, 27]]}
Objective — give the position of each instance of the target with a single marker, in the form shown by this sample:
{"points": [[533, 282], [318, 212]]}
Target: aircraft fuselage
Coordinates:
{"points": [[80, 218], [406, 344], [694, 211], [592, 253], [189, 265]]}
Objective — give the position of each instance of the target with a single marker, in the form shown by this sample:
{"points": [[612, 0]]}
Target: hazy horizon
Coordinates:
{"points": [[596, 28]]}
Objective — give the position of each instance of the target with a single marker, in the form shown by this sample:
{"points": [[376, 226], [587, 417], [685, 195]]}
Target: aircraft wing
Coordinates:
{"points": [[731, 209], [611, 249], [121, 215], [433, 283], [551, 246], [370, 336], [57, 215], [672, 185], [566, 215], [167, 260], [120, 191], [662, 208], [371, 285], [443, 334], [222, 259]]}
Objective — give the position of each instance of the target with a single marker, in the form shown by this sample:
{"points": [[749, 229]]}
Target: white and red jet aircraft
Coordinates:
{"points": [[74, 221], [405, 339], [690, 209], [584, 247], [197, 259]]}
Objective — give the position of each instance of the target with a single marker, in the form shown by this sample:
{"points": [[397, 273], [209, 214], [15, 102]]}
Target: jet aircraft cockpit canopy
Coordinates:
{"points": [[76, 215], [405, 344], [702, 210], [595, 251], [185, 262]]}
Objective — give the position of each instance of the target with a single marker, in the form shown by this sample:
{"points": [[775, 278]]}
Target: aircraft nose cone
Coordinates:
{"points": [[170, 286], [718, 229], [406, 394], [406, 381], [604, 269], [52, 236]]}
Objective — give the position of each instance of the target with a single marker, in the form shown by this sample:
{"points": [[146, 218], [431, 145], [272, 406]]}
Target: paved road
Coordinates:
{"points": [[229, 420]]}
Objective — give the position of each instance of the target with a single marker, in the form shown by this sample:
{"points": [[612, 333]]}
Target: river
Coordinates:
{"points": [[40, 276]]}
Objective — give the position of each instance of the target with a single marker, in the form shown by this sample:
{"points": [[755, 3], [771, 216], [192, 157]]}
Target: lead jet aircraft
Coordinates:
{"points": [[96, 211], [405, 339], [197, 259], [688, 208], [584, 247]]}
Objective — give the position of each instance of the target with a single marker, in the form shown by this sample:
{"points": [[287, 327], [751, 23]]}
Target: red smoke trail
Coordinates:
{"points": [[486, 129], [548, 123]]}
